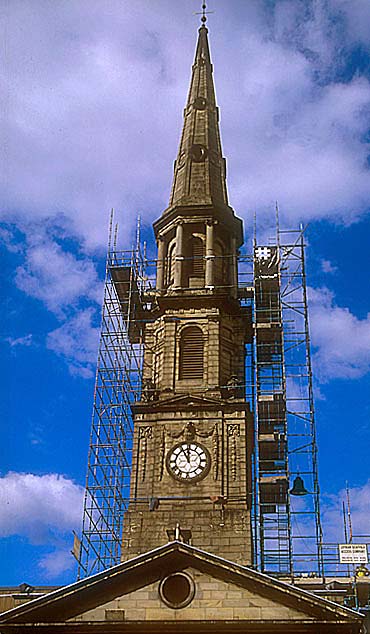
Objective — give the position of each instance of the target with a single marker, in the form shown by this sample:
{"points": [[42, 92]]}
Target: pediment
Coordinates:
{"points": [[173, 403], [225, 593]]}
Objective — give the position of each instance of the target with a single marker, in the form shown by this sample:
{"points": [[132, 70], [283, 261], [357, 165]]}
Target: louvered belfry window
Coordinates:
{"points": [[197, 255], [191, 353]]}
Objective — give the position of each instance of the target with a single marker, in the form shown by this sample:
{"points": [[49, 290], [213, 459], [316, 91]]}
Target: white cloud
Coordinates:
{"points": [[357, 16], [341, 341], [55, 276], [54, 272], [9, 241], [56, 563], [328, 267], [305, 150], [94, 108], [77, 341], [39, 507], [332, 513], [20, 341], [79, 136]]}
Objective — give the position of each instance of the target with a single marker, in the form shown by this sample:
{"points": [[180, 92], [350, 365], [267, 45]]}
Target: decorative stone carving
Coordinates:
{"points": [[162, 448], [233, 432], [144, 434], [215, 452], [233, 429], [149, 393], [189, 432], [234, 388]]}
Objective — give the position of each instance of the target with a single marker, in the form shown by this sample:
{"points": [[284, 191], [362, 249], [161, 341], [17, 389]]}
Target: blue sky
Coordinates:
{"points": [[92, 105]]}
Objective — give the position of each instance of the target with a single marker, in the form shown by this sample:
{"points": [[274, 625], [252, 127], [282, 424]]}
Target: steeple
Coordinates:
{"points": [[200, 170], [198, 235], [199, 189], [193, 428]]}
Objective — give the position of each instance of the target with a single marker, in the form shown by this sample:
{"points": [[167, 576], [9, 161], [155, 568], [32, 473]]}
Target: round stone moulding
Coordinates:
{"points": [[177, 590], [198, 153], [200, 103]]}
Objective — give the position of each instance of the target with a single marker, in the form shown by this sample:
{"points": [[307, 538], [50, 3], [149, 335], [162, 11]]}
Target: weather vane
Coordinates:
{"points": [[204, 13]]}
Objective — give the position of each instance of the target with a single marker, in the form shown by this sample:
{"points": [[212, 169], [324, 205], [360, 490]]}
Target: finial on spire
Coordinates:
{"points": [[204, 14]]}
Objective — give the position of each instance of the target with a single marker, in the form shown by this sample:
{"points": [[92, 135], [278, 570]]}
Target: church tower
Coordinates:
{"points": [[193, 431]]}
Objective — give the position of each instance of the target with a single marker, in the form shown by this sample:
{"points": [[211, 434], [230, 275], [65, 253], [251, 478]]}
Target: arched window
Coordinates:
{"points": [[197, 257], [191, 353], [170, 264]]}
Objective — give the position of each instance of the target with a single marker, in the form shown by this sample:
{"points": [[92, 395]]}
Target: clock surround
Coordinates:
{"points": [[188, 462]]}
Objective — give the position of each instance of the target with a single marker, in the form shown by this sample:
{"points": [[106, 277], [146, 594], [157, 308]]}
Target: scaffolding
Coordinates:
{"points": [[271, 431], [117, 386], [287, 511], [272, 285]]}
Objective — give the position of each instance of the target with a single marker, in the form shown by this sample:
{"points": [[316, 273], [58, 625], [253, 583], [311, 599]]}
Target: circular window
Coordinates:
{"points": [[200, 103], [177, 590], [198, 153]]}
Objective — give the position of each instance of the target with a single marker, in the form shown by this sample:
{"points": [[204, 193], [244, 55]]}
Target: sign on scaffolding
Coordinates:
{"points": [[353, 553]]}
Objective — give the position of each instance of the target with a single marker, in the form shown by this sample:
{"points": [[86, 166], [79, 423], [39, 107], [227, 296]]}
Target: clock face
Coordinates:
{"points": [[188, 462]]}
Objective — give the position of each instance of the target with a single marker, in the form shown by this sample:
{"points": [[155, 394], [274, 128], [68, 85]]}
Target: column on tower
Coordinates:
{"points": [[210, 255], [160, 264], [179, 255]]}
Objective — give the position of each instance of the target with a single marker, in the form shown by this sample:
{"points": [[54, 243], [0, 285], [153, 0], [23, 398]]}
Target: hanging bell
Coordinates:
{"points": [[298, 487]]}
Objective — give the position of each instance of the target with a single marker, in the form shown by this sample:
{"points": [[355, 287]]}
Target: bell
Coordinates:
{"points": [[298, 487]]}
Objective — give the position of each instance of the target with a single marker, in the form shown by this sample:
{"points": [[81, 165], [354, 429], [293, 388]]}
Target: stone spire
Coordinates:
{"points": [[200, 169]]}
